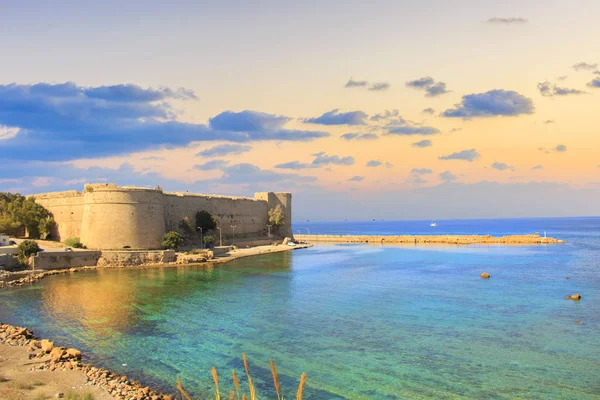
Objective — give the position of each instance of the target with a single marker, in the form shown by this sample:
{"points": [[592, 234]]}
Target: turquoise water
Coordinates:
{"points": [[363, 321]]}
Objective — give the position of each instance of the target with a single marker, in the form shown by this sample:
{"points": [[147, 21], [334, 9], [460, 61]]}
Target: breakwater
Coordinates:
{"points": [[430, 239]]}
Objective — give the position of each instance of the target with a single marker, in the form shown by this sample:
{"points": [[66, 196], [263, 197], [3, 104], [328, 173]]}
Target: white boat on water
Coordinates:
{"points": [[433, 224]]}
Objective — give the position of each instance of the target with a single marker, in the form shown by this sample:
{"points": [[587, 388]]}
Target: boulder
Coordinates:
{"points": [[286, 241], [485, 275], [575, 296], [57, 353], [46, 345], [73, 353]]}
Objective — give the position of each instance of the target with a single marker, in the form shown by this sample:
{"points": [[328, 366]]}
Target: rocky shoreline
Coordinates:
{"points": [[55, 358]]}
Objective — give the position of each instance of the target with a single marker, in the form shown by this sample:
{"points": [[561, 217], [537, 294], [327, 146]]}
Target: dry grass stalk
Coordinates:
{"points": [[275, 378], [231, 395], [183, 393], [301, 386], [250, 383], [215, 376], [244, 397], [236, 383]]}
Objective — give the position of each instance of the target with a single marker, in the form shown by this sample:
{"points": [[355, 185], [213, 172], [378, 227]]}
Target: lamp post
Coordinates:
{"points": [[201, 241], [233, 228], [220, 237], [269, 227], [307, 231]]}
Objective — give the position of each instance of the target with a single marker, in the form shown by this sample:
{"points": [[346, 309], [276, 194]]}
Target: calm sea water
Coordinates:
{"points": [[363, 321]]}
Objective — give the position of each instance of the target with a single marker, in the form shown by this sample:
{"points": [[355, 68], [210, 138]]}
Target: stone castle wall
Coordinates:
{"points": [[107, 216]]}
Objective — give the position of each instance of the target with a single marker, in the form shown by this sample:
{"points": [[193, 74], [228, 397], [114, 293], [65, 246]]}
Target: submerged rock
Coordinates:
{"points": [[485, 275]]}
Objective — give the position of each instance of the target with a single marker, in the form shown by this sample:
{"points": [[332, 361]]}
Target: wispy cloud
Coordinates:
{"points": [[359, 136], [500, 166], [212, 165], [594, 83], [422, 143], [379, 86], [561, 148], [549, 121], [507, 20], [539, 166], [320, 159], [356, 179], [448, 176], [413, 130], [431, 87], [493, 103], [428, 110], [224, 150], [335, 117], [465, 155], [549, 89], [420, 171], [378, 163], [354, 84], [583, 66]]}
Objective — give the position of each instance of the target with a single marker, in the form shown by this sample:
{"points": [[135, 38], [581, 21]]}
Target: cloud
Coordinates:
{"points": [[353, 84], [379, 86], [8, 132], [378, 163], [562, 78], [583, 66], [549, 89], [416, 180], [72, 122], [359, 136], [561, 148], [413, 130], [448, 176], [248, 173], [421, 83], [334, 117], [428, 110], [594, 83], [320, 159], [500, 166], [455, 130], [389, 118], [357, 179], [507, 20], [212, 165], [549, 121], [539, 166], [421, 171], [466, 155], [422, 143], [431, 87], [224, 150], [493, 103], [152, 158]]}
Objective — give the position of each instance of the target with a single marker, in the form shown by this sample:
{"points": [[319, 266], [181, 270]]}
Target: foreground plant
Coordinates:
{"points": [[236, 383]]}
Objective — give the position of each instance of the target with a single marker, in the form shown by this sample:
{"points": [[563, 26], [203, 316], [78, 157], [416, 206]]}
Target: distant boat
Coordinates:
{"points": [[433, 224]]}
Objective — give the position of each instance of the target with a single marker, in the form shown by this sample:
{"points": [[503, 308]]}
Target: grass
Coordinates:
{"points": [[235, 395], [77, 396]]}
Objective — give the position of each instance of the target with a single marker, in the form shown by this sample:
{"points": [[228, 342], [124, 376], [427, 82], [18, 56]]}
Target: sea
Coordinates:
{"points": [[363, 321]]}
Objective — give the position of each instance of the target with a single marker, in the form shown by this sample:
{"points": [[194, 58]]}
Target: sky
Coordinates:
{"points": [[381, 109]]}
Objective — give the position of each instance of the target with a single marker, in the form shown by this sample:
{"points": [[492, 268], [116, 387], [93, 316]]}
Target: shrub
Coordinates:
{"points": [[205, 221], [276, 217], [172, 240], [186, 227], [26, 249], [208, 240], [74, 242]]}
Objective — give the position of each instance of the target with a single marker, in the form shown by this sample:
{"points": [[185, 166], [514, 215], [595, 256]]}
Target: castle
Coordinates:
{"points": [[107, 216]]}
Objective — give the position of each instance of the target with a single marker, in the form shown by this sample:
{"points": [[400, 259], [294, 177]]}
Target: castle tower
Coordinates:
{"points": [[284, 200], [117, 217]]}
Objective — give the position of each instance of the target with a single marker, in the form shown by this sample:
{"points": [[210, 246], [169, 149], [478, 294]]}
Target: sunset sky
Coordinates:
{"points": [[380, 109]]}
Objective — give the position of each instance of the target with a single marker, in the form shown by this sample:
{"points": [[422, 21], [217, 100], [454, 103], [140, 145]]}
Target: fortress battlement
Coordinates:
{"points": [[108, 216]]}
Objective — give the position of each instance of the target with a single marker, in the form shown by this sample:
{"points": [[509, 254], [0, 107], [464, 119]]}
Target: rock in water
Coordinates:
{"points": [[46, 345], [575, 296], [74, 353], [485, 275]]}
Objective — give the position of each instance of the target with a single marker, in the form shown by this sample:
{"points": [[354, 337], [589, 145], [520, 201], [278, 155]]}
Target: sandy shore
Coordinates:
{"points": [[431, 239]]}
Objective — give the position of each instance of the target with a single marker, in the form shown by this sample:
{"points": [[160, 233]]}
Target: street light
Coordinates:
{"points": [[307, 231], [220, 237], [269, 226], [233, 228], [201, 242]]}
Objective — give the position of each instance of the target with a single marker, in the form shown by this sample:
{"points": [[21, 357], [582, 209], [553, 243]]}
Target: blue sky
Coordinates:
{"points": [[329, 100]]}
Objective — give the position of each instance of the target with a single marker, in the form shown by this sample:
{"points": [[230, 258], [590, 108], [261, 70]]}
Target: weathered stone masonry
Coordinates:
{"points": [[107, 216]]}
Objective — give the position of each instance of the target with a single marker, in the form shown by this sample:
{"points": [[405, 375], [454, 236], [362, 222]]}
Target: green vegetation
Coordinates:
{"points": [[276, 217], [74, 242], [18, 213], [26, 249], [186, 227], [75, 396], [236, 384], [208, 240], [205, 221], [172, 240]]}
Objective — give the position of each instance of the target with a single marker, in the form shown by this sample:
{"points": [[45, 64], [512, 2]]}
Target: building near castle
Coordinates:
{"points": [[107, 216]]}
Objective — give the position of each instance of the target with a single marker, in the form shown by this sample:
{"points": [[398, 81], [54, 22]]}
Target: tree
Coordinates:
{"points": [[186, 227], [276, 217], [208, 240], [26, 249], [19, 212], [172, 240], [205, 221]]}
